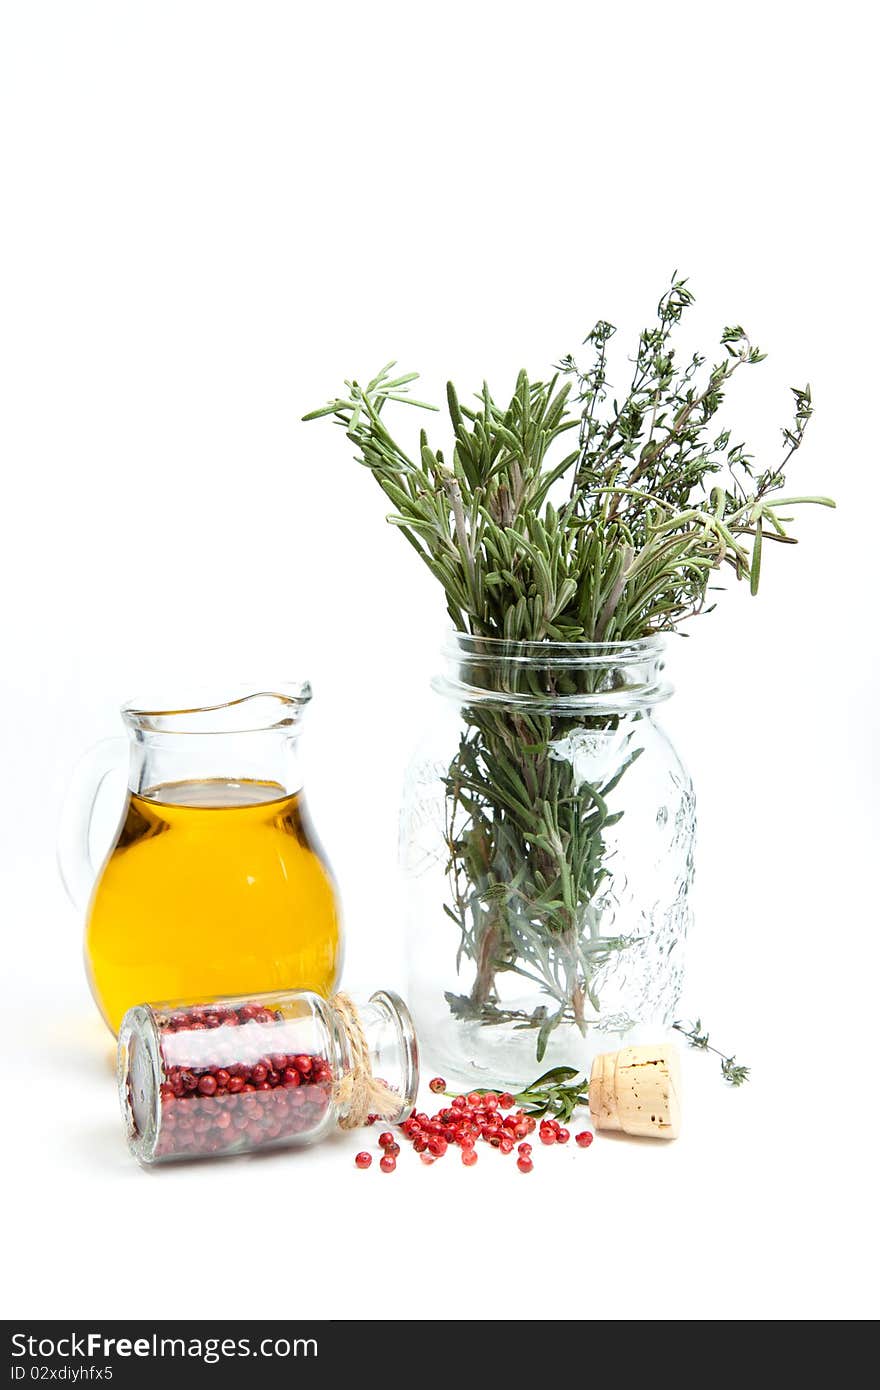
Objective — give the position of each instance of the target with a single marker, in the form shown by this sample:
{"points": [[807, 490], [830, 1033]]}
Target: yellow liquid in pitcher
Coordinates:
{"points": [[213, 887]]}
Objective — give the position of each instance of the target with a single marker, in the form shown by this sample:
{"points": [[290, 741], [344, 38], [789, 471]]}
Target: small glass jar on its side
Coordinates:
{"points": [[233, 1075]]}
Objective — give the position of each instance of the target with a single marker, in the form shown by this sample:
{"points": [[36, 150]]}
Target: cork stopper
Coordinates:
{"points": [[637, 1090]]}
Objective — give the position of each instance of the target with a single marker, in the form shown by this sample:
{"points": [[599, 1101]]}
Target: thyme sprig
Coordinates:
{"points": [[731, 1070], [534, 540]]}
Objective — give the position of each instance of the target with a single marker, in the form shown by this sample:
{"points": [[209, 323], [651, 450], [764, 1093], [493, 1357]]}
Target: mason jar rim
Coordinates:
{"points": [[512, 649], [506, 662]]}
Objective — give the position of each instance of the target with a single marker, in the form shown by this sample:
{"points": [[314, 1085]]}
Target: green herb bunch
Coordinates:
{"points": [[565, 517]]}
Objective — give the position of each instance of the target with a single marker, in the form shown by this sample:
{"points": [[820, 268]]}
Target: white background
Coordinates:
{"points": [[212, 213]]}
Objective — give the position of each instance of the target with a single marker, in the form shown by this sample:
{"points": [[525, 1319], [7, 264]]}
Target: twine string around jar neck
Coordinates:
{"points": [[359, 1092]]}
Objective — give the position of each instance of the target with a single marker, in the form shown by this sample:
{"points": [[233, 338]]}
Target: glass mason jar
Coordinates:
{"points": [[275, 1070], [547, 842]]}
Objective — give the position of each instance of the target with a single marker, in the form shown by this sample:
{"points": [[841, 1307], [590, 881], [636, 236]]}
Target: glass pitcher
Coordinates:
{"points": [[215, 883]]}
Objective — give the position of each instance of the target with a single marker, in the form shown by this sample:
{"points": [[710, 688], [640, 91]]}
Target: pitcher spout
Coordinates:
{"points": [[245, 710]]}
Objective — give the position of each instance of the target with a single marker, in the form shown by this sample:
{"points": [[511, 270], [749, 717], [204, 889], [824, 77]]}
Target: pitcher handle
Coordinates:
{"points": [[78, 869]]}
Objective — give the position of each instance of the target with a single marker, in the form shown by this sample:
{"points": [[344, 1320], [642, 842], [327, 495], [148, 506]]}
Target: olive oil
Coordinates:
{"points": [[213, 887]]}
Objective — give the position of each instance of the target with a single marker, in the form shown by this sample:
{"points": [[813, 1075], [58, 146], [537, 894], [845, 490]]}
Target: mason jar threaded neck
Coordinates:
{"points": [[554, 676]]}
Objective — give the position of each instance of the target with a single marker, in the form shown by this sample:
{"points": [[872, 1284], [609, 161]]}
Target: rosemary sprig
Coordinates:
{"points": [[731, 1070], [556, 1093]]}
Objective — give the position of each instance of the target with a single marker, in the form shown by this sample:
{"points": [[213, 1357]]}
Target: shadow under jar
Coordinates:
{"points": [[547, 842], [235, 1075]]}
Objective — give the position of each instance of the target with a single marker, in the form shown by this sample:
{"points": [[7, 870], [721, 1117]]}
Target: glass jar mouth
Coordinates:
{"points": [[501, 649], [549, 677], [399, 1014], [245, 709]]}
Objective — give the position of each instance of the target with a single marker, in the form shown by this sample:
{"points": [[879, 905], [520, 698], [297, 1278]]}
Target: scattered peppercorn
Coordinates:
{"points": [[488, 1116], [437, 1085]]}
